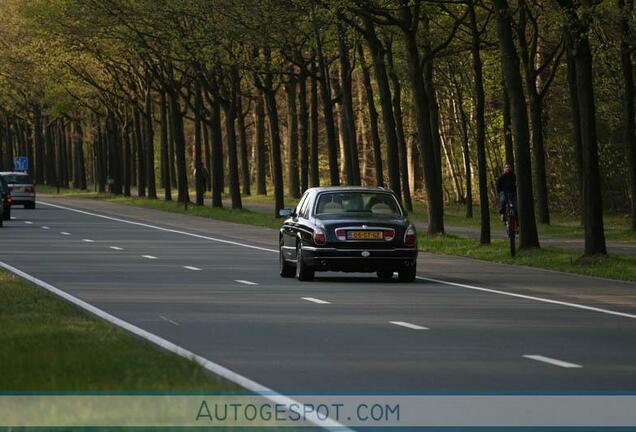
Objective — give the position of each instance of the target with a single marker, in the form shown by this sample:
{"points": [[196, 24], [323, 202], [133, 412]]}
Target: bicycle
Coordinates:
{"points": [[512, 223]]}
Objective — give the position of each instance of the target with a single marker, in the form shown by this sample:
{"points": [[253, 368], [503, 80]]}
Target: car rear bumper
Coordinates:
{"points": [[23, 198], [359, 260]]}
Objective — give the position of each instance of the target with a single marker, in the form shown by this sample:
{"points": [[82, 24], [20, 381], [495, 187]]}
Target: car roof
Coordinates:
{"points": [[349, 188]]}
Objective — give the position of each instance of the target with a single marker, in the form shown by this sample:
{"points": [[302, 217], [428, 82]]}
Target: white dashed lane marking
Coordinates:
{"points": [[408, 325], [168, 320], [245, 282], [117, 248], [315, 300], [150, 257], [65, 233], [88, 241], [192, 268], [552, 361]]}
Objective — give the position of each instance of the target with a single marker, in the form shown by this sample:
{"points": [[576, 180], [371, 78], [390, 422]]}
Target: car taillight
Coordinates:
{"points": [[388, 235], [319, 237], [410, 237], [341, 234], [8, 199]]}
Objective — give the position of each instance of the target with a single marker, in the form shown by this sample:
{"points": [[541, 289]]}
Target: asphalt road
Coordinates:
{"points": [[213, 288]]}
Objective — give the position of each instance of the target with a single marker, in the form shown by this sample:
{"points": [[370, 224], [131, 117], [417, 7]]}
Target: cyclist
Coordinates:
{"points": [[507, 190]]}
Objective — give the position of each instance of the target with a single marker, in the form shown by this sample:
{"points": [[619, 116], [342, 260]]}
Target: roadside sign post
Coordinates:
{"points": [[21, 163]]}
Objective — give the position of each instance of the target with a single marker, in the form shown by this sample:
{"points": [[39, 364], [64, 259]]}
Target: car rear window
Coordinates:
{"points": [[375, 203], [17, 179]]}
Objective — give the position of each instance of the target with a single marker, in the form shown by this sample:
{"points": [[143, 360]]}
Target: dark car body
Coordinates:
{"points": [[5, 197], [327, 232]]}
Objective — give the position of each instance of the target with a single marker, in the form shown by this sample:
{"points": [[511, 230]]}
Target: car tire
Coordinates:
{"points": [[286, 270], [407, 274], [1, 222], [385, 275], [303, 271], [6, 215]]}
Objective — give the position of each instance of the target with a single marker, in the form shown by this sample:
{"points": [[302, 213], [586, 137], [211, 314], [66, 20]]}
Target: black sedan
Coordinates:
{"points": [[349, 229]]}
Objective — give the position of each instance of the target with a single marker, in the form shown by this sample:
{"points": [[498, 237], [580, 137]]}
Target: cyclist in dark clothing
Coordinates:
{"points": [[507, 188]]}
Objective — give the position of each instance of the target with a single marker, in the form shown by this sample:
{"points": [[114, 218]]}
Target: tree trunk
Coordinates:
{"points": [[141, 166], [303, 130], [507, 128], [78, 153], [629, 95], [463, 119], [377, 53], [529, 237], [373, 119], [292, 138], [330, 127], [399, 126], [199, 177], [231, 113], [352, 161], [150, 146], [261, 154], [244, 154], [179, 147], [591, 179], [217, 156], [480, 138], [277, 169], [314, 175], [38, 145], [127, 157], [165, 156], [576, 127]]}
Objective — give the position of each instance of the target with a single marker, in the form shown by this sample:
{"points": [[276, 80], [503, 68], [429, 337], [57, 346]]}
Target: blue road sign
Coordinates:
{"points": [[21, 163]]}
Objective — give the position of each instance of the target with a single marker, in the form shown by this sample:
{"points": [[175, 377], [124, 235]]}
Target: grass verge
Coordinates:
{"points": [[51, 345], [611, 266]]}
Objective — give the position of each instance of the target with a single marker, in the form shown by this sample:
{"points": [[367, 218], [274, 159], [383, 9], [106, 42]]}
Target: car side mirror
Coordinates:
{"points": [[285, 212]]}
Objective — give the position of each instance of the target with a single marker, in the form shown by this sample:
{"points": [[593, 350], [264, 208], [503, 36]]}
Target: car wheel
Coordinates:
{"points": [[303, 271], [385, 275], [1, 222], [407, 274], [7, 214], [286, 270]]}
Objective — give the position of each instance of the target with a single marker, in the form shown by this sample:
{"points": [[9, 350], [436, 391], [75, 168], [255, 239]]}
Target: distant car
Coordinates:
{"points": [[349, 229], [5, 197], [22, 188]]}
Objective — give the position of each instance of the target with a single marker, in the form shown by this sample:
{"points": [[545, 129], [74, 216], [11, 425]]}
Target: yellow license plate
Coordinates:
{"points": [[366, 235]]}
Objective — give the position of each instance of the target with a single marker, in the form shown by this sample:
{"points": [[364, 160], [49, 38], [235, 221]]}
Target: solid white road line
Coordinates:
{"points": [[168, 320], [245, 282], [117, 248], [192, 268], [215, 368], [552, 361], [408, 325], [28, 222], [315, 300], [88, 241], [492, 291], [528, 297], [65, 233], [45, 228], [150, 257]]}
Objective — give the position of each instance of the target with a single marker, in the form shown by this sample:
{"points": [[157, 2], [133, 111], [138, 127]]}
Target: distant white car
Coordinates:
{"points": [[21, 187]]}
